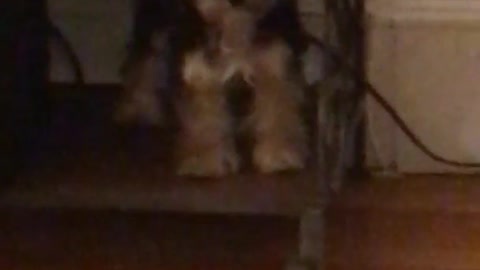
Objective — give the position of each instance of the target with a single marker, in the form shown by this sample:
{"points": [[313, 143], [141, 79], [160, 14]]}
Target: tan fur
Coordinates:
{"points": [[205, 144], [238, 26], [278, 128], [212, 11], [276, 123], [206, 141], [139, 100]]}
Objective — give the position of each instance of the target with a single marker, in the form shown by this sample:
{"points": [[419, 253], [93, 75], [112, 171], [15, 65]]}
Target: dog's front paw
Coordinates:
{"points": [[132, 113], [216, 163], [269, 158]]}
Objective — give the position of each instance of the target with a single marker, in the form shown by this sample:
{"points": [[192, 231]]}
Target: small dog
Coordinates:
{"points": [[217, 42], [265, 62]]}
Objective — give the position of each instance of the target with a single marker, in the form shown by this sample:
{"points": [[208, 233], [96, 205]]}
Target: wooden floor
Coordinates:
{"points": [[95, 205], [107, 240], [415, 222]]}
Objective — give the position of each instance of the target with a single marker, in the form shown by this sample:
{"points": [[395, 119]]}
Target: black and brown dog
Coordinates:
{"points": [[214, 44]]}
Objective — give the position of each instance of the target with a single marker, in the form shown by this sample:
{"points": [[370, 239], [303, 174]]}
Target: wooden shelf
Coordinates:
{"points": [[148, 190], [89, 164], [119, 179]]}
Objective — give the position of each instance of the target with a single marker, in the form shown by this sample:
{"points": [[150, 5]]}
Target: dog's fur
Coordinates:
{"points": [[216, 44], [140, 100]]}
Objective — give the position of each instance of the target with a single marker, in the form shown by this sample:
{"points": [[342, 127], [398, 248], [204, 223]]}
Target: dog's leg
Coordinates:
{"points": [[278, 127], [140, 100], [206, 146]]}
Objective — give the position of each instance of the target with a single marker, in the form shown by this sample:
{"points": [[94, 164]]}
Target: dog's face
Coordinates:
{"points": [[212, 11], [234, 23], [259, 7]]}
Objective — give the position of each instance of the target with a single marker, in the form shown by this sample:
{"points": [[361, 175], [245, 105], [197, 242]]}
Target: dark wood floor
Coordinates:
{"points": [[409, 223], [416, 222], [114, 240]]}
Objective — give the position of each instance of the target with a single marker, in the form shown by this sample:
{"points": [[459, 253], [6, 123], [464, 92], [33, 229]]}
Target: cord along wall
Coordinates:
{"points": [[424, 57]]}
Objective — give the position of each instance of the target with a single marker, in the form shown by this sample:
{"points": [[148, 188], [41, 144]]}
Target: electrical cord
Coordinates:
{"points": [[370, 89], [56, 34]]}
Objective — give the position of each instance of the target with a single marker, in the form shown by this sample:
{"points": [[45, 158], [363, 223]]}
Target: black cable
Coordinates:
{"points": [[55, 33], [370, 89]]}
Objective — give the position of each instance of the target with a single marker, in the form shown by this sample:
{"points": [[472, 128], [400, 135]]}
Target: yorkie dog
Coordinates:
{"points": [[265, 62], [235, 41]]}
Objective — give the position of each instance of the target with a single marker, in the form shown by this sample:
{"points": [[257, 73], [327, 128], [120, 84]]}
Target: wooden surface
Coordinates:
{"points": [[110, 240], [120, 186], [117, 178], [443, 193], [398, 224], [414, 222], [411, 222], [88, 162]]}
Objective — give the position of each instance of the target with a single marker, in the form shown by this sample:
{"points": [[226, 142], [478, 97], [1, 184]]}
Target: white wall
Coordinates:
{"points": [[424, 56], [98, 30]]}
